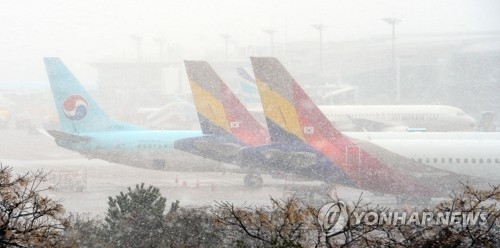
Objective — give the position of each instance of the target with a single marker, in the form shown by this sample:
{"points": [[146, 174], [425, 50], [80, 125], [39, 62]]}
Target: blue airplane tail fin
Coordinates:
{"points": [[77, 110]]}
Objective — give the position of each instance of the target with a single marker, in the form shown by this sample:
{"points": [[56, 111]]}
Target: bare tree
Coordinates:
{"points": [[469, 204], [28, 218], [292, 223], [288, 223]]}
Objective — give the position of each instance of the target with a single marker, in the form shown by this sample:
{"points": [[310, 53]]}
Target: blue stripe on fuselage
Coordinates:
{"points": [[260, 158], [129, 140]]}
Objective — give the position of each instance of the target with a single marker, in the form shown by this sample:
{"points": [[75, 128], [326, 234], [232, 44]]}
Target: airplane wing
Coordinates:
{"points": [[293, 117], [218, 149], [295, 159], [374, 126], [58, 135], [223, 148], [45, 133]]}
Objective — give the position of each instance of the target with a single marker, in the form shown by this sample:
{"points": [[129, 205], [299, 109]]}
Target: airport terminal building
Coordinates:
{"points": [[418, 69]]}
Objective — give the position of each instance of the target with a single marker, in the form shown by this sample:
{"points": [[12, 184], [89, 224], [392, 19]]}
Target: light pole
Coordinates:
{"points": [[395, 66], [138, 40], [226, 38], [271, 33], [160, 42], [320, 28]]}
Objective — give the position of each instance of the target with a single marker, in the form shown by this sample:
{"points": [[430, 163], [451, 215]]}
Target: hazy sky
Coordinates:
{"points": [[83, 31]]}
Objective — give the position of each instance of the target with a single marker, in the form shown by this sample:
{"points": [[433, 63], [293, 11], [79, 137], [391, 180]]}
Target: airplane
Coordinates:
{"points": [[326, 93], [402, 118], [173, 115], [248, 89], [470, 153], [228, 127], [350, 118], [225, 122], [432, 118], [201, 75], [87, 129], [294, 120]]}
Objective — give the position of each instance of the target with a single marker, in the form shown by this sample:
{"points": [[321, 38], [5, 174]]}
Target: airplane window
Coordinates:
{"points": [[139, 146], [450, 160], [488, 160], [435, 160], [458, 161], [473, 160], [466, 160], [427, 160], [497, 160], [443, 160], [420, 160], [480, 160]]}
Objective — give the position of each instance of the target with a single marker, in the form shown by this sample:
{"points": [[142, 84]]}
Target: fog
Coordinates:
{"points": [[86, 31], [130, 54]]}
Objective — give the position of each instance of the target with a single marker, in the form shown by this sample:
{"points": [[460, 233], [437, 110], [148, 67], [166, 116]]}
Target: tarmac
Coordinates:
{"points": [[25, 151]]}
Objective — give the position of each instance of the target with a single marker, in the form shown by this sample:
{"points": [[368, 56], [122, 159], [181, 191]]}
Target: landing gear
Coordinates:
{"points": [[253, 180], [158, 164]]}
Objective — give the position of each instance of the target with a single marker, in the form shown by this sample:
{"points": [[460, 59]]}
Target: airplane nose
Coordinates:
{"points": [[472, 122]]}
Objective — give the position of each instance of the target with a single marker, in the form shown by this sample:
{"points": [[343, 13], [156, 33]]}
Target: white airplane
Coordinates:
{"points": [[470, 153], [401, 118], [433, 118]]}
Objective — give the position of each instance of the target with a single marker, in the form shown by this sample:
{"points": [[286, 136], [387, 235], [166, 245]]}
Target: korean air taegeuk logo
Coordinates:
{"points": [[75, 107]]}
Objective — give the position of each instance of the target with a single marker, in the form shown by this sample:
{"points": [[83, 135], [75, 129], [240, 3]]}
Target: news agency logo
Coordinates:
{"points": [[333, 217]]}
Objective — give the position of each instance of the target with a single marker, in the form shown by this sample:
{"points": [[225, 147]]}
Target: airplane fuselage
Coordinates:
{"points": [[470, 153], [144, 148], [376, 118], [432, 118]]}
